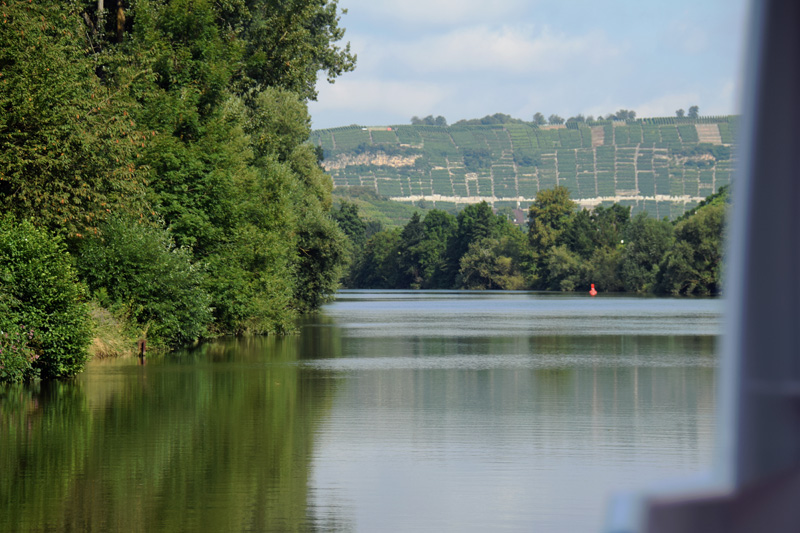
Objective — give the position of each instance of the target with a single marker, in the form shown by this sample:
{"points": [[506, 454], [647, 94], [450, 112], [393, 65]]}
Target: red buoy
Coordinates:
{"points": [[592, 291]]}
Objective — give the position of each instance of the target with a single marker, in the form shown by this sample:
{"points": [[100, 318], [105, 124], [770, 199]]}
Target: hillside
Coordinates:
{"points": [[372, 207], [665, 166]]}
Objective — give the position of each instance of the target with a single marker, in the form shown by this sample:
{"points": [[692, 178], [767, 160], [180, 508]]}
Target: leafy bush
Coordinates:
{"points": [[41, 299], [137, 266], [16, 354]]}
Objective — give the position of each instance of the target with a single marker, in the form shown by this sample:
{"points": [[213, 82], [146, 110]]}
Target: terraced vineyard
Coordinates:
{"points": [[662, 165]]}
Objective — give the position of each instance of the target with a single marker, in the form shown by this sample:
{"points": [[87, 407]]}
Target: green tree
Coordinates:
{"points": [[377, 268], [694, 265], [603, 268], [475, 222], [501, 262], [137, 268], [68, 143], [588, 250], [17, 355], [611, 223], [351, 223], [322, 258], [278, 123], [563, 269], [548, 217], [288, 42], [624, 114], [555, 119], [234, 179], [439, 227], [193, 114], [580, 235], [694, 111], [539, 119], [481, 269], [41, 296], [409, 261], [646, 242]]}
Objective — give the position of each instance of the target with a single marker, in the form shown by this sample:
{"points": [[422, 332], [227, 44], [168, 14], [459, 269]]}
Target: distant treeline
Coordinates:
{"points": [[155, 179], [541, 120], [564, 249]]}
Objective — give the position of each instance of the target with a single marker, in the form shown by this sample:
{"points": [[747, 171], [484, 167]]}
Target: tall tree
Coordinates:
{"points": [[625, 114], [474, 222], [288, 42], [580, 235], [548, 217], [68, 142], [646, 242], [189, 112], [409, 268], [439, 227], [610, 223], [351, 223], [377, 267], [694, 265]]}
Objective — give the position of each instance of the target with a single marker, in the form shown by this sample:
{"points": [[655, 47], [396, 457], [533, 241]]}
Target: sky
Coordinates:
{"points": [[466, 59]]}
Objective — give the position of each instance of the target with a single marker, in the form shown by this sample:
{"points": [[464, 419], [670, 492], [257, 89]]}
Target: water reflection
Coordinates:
{"points": [[389, 412], [480, 413], [219, 441]]}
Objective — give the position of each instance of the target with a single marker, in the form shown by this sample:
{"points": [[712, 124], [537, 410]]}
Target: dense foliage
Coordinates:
{"points": [[43, 314], [138, 268], [165, 141], [564, 249]]}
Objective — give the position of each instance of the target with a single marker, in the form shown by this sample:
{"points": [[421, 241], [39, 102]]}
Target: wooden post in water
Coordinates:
{"points": [[141, 348]]}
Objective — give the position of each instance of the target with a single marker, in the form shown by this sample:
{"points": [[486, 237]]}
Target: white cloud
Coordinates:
{"points": [[442, 13], [666, 105], [406, 98], [465, 59], [509, 50]]}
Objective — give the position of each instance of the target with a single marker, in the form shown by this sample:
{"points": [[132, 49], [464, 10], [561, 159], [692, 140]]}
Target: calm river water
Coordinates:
{"points": [[391, 411]]}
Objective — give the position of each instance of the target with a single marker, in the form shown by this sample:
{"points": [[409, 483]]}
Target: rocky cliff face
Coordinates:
{"points": [[377, 159]]}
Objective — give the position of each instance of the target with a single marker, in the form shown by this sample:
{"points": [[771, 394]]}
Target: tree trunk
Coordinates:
{"points": [[120, 21]]}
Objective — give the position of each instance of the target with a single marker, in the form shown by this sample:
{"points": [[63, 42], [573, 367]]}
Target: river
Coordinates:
{"points": [[389, 411]]}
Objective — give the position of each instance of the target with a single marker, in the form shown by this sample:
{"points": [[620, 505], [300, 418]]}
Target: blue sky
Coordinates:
{"points": [[470, 58]]}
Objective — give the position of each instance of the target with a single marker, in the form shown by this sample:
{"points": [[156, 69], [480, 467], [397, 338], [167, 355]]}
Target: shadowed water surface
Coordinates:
{"points": [[390, 411]]}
